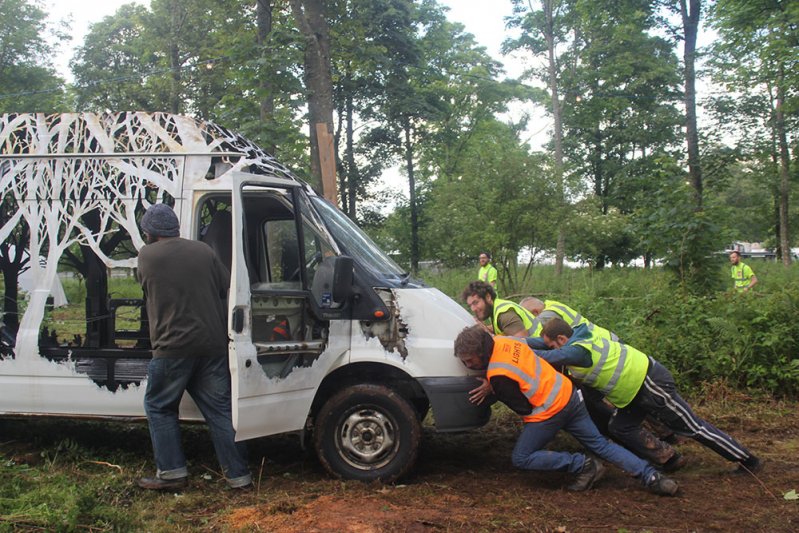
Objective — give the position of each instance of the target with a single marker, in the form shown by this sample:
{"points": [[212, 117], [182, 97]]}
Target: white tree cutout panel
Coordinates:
{"points": [[59, 168]]}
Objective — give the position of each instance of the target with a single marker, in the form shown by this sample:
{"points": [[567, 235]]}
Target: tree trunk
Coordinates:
{"points": [[10, 305], [263, 17], [174, 59], [549, 35], [412, 193], [310, 19], [690, 18], [785, 174], [352, 168]]}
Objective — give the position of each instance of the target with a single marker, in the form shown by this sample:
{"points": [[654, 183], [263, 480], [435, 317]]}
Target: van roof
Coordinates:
{"points": [[128, 134]]}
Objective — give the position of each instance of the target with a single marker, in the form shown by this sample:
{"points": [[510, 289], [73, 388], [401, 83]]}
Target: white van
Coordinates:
{"points": [[327, 334]]}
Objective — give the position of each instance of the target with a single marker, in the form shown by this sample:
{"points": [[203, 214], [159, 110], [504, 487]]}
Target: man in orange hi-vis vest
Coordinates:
{"points": [[547, 402]]}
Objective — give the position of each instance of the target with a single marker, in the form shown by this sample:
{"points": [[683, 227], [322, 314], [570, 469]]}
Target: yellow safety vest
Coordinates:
{"points": [[741, 275], [617, 370], [500, 306]]}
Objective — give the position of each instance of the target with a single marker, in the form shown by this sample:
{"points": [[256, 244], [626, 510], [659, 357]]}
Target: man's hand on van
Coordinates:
{"points": [[477, 395]]}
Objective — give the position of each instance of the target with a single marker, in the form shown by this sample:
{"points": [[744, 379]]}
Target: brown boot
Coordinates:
{"points": [[157, 483]]}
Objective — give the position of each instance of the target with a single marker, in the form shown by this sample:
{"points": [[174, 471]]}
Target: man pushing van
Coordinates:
{"points": [[185, 288]]}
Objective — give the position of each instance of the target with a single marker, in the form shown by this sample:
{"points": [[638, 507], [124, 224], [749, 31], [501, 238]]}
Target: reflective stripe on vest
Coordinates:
{"points": [[547, 390], [617, 371], [500, 306]]}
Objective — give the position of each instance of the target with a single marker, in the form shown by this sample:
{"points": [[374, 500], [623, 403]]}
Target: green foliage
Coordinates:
{"points": [[487, 204], [748, 340], [28, 82]]}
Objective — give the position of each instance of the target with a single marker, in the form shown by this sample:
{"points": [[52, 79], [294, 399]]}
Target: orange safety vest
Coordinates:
{"points": [[547, 390]]}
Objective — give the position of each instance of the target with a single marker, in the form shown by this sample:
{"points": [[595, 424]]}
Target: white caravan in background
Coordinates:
{"points": [[327, 334]]}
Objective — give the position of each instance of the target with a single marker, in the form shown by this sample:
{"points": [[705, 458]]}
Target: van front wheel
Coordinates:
{"points": [[367, 432]]}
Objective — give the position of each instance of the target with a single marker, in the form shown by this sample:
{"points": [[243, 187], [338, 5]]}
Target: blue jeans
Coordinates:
{"points": [[529, 454], [207, 380]]}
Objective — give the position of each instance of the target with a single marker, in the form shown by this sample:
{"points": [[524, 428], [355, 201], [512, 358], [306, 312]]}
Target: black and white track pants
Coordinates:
{"points": [[658, 397]]}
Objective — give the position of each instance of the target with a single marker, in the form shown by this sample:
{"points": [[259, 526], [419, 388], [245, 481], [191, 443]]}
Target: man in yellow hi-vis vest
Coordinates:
{"points": [[487, 273], [638, 386], [661, 453], [743, 277], [547, 402]]}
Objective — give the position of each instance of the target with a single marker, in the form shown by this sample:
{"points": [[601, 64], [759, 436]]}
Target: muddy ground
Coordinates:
{"points": [[465, 482]]}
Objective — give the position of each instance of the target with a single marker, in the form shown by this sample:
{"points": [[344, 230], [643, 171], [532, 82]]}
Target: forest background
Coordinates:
{"points": [[627, 175]]}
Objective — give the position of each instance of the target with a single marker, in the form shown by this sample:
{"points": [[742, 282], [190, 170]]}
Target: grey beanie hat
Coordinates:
{"points": [[160, 221]]}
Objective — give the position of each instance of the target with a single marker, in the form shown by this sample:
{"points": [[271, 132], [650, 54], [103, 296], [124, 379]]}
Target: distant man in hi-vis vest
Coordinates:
{"points": [[487, 273], [743, 277], [547, 402], [637, 385]]}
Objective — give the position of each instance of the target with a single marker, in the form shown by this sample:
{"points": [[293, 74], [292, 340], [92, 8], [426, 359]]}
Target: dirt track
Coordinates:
{"points": [[466, 482]]}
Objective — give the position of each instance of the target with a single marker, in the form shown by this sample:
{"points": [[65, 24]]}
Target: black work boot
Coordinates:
{"points": [[592, 471], [752, 465], [662, 485]]}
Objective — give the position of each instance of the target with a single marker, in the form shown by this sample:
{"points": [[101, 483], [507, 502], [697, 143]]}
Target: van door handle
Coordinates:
{"points": [[237, 321]]}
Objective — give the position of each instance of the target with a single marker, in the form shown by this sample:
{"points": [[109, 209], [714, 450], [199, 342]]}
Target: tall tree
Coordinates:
{"points": [[27, 79], [758, 52], [310, 16], [690, 13], [542, 32], [368, 37]]}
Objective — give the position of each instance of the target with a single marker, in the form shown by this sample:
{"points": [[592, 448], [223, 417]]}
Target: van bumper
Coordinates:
{"points": [[452, 410]]}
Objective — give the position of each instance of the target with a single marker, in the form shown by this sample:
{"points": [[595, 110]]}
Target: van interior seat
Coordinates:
{"points": [[218, 236]]}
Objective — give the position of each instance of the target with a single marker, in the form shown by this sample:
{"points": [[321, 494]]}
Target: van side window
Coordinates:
{"points": [[282, 253]]}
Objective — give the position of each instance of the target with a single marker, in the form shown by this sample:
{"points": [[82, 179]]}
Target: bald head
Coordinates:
{"points": [[532, 304]]}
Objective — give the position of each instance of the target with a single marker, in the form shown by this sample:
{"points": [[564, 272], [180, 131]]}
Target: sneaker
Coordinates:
{"points": [[662, 485], [157, 483], [674, 463], [592, 471], [752, 465]]}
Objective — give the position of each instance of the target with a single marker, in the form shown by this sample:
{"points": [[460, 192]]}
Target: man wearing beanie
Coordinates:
{"points": [[185, 289]]}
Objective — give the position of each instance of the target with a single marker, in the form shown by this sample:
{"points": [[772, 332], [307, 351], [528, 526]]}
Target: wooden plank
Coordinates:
{"points": [[327, 162]]}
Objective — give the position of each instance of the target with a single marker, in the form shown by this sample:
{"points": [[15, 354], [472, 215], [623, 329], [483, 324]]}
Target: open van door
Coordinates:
{"points": [[281, 304]]}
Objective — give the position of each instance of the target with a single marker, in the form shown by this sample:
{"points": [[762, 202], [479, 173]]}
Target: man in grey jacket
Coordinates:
{"points": [[185, 289]]}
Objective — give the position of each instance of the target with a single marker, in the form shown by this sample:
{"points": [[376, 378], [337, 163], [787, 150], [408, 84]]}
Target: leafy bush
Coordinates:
{"points": [[748, 340]]}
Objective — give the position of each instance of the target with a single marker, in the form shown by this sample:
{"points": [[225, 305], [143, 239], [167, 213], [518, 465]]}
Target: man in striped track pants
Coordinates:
{"points": [[637, 385]]}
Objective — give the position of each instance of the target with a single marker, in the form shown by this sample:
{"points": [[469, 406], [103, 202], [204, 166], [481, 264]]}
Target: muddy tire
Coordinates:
{"points": [[367, 433]]}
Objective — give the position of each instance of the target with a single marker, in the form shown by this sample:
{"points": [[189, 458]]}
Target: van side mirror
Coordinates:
{"points": [[332, 281], [342, 278]]}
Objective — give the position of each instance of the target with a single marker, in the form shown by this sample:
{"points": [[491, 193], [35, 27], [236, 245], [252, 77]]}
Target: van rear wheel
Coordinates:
{"points": [[367, 432]]}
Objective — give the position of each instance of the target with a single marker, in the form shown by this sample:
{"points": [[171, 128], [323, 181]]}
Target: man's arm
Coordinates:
{"points": [[511, 324], [571, 355], [751, 275], [536, 343]]}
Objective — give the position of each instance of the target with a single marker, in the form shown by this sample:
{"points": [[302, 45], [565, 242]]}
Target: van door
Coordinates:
{"points": [[280, 253]]}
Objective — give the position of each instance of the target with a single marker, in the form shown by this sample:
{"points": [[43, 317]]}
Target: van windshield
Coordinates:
{"points": [[358, 245]]}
